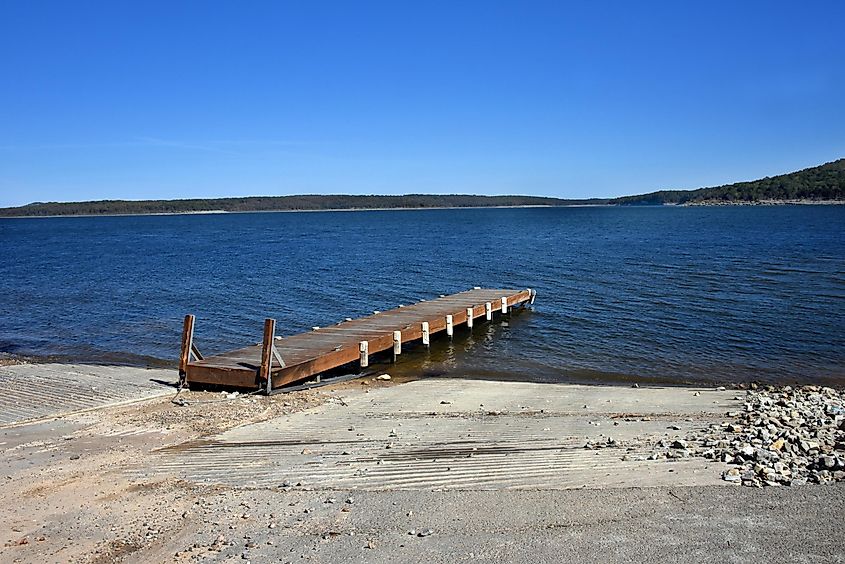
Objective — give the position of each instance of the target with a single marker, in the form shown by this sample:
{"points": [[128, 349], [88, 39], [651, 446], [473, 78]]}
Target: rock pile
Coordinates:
{"points": [[784, 436]]}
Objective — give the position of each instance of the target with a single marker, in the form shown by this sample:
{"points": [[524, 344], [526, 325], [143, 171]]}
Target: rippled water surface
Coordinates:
{"points": [[653, 294]]}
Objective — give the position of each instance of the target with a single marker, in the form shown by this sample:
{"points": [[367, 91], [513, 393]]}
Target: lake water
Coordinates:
{"points": [[656, 294]]}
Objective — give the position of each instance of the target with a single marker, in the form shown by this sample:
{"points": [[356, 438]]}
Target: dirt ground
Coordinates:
{"points": [[66, 493]]}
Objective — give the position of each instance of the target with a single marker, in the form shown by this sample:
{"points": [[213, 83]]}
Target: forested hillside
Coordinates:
{"points": [[825, 182]]}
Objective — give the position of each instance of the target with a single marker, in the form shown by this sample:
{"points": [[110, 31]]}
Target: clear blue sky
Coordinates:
{"points": [[147, 99]]}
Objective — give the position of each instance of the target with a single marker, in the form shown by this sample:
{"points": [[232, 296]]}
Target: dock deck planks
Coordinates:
{"points": [[311, 353]]}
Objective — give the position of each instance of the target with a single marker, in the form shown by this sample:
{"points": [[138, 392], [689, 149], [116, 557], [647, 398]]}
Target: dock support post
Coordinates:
{"points": [[488, 311], [533, 294], [397, 344], [426, 336], [364, 348], [504, 305], [450, 330], [187, 346], [470, 312], [267, 349]]}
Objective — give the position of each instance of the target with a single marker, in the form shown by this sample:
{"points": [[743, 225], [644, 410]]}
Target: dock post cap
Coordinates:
{"points": [[397, 344], [364, 356]]}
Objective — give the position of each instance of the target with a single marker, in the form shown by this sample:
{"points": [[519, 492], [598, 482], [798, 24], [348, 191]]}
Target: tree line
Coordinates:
{"points": [[825, 182], [280, 203]]}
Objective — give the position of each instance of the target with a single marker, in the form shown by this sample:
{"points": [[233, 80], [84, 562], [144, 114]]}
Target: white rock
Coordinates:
{"points": [[733, 475]]}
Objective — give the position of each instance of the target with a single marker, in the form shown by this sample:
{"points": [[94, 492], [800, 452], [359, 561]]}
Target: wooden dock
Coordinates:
{"points": [[279, 361]]}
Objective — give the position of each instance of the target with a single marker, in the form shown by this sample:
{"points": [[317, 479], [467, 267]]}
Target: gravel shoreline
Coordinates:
{"points": [[784, 436]]}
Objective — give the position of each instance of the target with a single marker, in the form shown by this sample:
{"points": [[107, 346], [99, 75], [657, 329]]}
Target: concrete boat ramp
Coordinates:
{"points": [[431, 434], [435, 470], [31, 392], [445, 434]]}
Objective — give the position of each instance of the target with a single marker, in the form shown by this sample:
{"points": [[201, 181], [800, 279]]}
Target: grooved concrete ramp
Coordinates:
{"points": [[464, 434], [35, 391]]}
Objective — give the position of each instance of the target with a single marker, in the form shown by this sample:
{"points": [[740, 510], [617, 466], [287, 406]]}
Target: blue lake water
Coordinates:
{"points": [[655, 294]]}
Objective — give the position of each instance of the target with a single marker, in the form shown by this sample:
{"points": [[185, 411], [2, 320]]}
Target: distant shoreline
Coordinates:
{"points": [[804, 202], [712, 203], [821, 185], [227, 212]]}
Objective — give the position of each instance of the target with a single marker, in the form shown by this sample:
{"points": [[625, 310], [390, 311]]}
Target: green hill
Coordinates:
{"points": [[280, 203], [825, 182]]}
